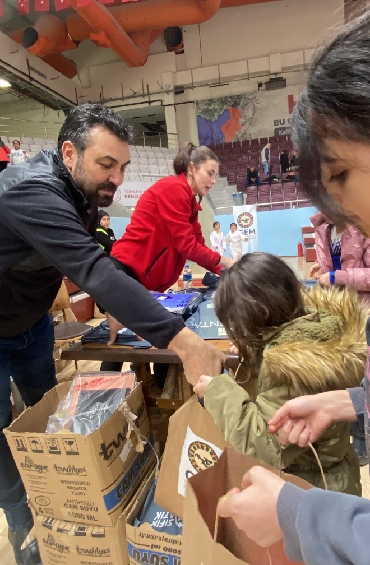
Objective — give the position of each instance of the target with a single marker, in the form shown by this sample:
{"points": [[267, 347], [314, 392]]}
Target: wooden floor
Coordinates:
{"points": [[298, 265]]}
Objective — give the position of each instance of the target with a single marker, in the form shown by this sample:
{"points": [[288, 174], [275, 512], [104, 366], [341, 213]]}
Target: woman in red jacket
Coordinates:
{"points": [[4, 152], [164, 230]]}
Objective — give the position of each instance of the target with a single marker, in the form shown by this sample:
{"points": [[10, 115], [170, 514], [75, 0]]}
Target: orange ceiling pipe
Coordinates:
{"points": [[46, 39], [154, 14], [232, 3], [48, 35], [104, 30], [61, 64]]}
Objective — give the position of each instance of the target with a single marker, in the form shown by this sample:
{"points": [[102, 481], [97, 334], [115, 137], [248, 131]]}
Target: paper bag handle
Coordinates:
{"points": [[318, 462]]}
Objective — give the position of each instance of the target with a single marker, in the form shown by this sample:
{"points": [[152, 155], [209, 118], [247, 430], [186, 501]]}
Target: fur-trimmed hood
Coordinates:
{"points": [[322, 350]]}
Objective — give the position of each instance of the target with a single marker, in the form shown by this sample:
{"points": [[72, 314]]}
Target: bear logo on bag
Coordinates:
{"points": [[201, 455]]}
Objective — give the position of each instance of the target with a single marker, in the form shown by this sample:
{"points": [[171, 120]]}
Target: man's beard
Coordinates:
{"points": [[90, 189]]}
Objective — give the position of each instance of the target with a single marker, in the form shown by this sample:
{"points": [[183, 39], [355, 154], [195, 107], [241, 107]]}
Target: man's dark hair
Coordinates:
{"points": [[82, 119], [233, 224]]}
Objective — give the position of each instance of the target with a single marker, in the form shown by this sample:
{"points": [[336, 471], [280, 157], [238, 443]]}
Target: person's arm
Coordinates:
{"points": [[323, 526], [197, 230], [44, 217], [304, 419], [175, 208], [243, 423], [223, 245], [104, 240], [318, 527], [359, 277], [212, 239]]}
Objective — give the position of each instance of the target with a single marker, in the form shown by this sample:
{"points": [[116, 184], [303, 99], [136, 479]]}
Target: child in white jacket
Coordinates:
{"points": [[218, 242], [234, 240]]}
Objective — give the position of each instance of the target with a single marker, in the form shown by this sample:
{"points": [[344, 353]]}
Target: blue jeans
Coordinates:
{"points": [[266, 167], [28, 359]]}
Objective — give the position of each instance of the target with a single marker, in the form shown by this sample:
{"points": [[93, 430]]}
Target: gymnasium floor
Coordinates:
{"points": [[301, 269]]}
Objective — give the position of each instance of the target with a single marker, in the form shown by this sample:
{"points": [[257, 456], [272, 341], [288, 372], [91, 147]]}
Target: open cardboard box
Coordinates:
{"points": [[88, 479], [146, 545]]}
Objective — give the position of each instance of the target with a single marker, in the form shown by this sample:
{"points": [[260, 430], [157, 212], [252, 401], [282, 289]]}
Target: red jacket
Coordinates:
{"points": [[163, 233], [4, 152]]}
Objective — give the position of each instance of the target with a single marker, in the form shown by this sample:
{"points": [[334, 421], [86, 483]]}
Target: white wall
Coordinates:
{"points": [[257, 30]]}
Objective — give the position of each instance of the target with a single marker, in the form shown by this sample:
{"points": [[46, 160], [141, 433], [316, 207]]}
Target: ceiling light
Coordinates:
{"points": [[4, 83]]}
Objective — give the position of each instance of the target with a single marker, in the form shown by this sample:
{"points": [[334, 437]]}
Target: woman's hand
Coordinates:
{"points": [[324, 280], [233, 349], [201, 385], [314, 272], [304, 419], [226, 262]]}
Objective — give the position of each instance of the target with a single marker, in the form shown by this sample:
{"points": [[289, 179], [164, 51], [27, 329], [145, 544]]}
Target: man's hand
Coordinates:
{"points": [[198, 356], [226, 262], [202, 384], [304, 419], [315, 271], [114, 327], [324, 280], [254, 508]]}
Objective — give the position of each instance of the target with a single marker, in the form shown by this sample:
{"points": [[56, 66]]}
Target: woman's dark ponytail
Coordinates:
{"points": [[189, 153]]}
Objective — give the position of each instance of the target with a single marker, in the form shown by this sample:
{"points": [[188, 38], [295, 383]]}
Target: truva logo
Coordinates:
{"points": [[52, 544]]}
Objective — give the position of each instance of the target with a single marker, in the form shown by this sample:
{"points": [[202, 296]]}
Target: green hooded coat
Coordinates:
{"points": [[321, 351]]}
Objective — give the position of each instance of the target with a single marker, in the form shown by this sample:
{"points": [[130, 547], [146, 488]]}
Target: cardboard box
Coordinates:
{"points": [[146, 545], [70, 543], [60, 363], [88, 479]]}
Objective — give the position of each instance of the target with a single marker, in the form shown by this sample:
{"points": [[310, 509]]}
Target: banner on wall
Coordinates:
{"points": [[129, 193], [246, 116], [245, 218]]}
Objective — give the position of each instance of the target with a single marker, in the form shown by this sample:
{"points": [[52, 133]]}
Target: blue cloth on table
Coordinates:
{"points": [[100, 334]]}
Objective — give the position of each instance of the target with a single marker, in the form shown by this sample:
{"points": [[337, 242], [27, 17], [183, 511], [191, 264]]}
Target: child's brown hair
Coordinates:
{"points": [[260, 292]]}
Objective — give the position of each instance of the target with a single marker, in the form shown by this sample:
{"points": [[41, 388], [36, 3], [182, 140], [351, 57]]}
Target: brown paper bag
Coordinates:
{"points": [[232, 546], [194, 443]]}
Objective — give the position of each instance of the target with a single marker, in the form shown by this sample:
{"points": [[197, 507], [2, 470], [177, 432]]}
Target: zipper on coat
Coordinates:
{"points": [[156, 258]]}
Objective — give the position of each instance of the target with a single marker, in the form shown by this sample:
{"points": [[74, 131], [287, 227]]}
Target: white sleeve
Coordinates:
{"points": [[212, 238], [223, 242]]}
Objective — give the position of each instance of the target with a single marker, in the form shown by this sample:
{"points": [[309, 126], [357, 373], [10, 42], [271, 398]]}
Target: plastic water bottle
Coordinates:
{"points": [[187, 276]]}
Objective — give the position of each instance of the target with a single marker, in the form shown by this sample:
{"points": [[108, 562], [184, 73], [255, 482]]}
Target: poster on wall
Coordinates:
{"points": [[246, 116], [128, 193], [245, 218]]}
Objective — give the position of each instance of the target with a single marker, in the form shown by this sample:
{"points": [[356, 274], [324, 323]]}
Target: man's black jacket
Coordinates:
{"points": [[46, 232]]}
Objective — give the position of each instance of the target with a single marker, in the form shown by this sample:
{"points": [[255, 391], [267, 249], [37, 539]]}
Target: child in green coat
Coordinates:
{"points": [[291, 342]]}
